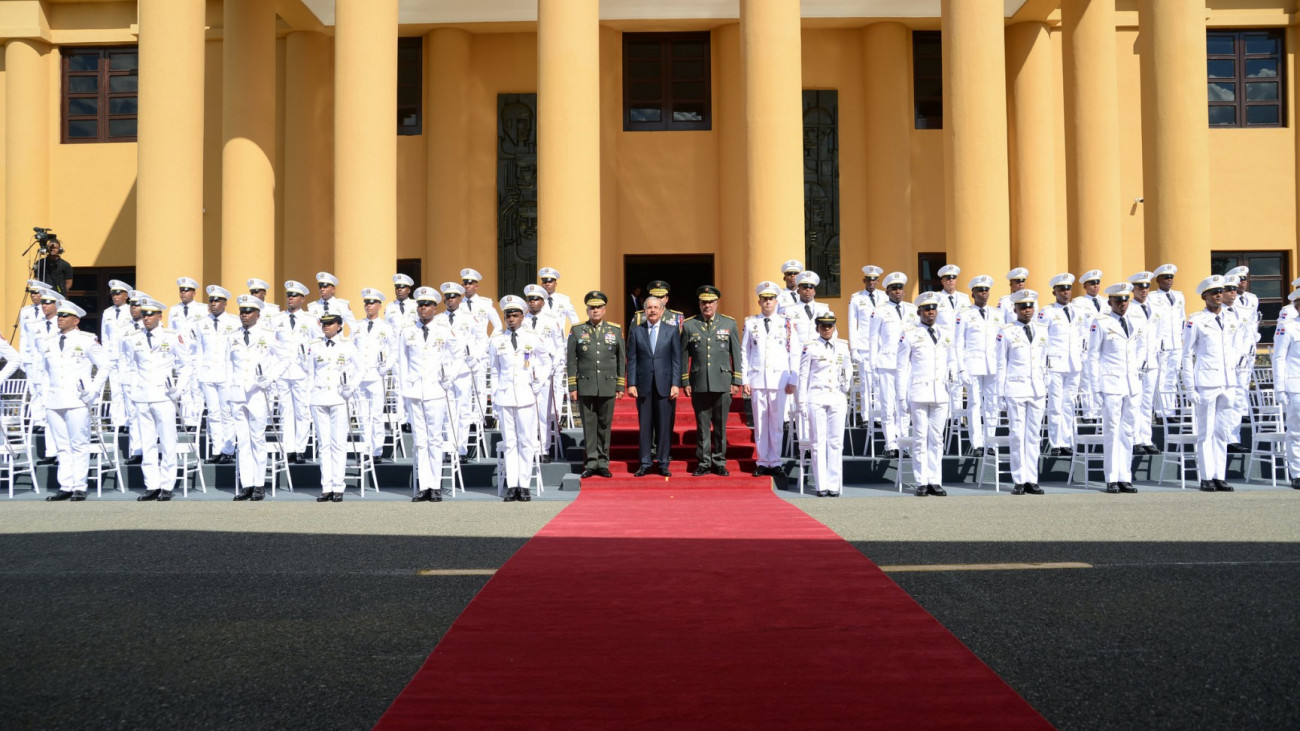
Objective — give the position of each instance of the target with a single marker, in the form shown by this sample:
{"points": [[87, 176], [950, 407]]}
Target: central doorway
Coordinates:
{"points": [[684, 274]]}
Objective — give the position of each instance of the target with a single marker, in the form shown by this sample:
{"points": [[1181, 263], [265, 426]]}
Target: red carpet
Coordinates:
{"points": [[699, 607], [625, 451]]}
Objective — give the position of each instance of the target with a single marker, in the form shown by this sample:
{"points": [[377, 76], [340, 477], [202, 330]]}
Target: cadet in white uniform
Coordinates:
{"points": [[256, 358], [1211, 354], [558, 305], [426, 355], [326, 284], [295, 328], [1090, 301], [805, 311], [257, 288], [1288, 311], [550, 328], [1247, 304], [333, 366], [520, 362], [1016, 279], [157, 362], [1286, 384], [769, 352], [66, 359], [114, 324], [888, 323], [825, 374], [184, 319], [401, 311], [925, 369], [1148, 322], [1114, 360], [214, 373], [951, 302], [1246, 366], [485, 314], [1170, 302], [790, 272], [1067, 336], [1022, 383], [37, 325], [376, 343], [861, 305], [976, 336], [464, 372]]}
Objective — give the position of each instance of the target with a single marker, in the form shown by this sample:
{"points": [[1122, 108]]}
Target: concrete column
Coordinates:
{"points": [[308, 157], [169, 153], [975, 137], [27, 157], [1092, 135], [248, 147], [446, 84], [1033, 164], [773, 86], [568, 142], [886, 47], [1176, 137], [365, 143], [729, 123]]}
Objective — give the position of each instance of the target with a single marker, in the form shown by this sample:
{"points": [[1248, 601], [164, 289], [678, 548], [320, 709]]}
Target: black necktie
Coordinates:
{"points": [[808, 310], [514, 340], [185, 308], [148, 336], [1124, 324], [952, 302], [370, 326], [1068, 316], [328, 343], [1170, 295], [451, 317], [1029, 332], [326, 305], [214, 323], [899, 308], [872, 295], [550, 301], [401, 305], [61, 339], [117, 312], [767, 324], [245, 336], [137, 324], [982, 315], [1096, 303], [425, 328], [293, 321], [933, 337], [469, 302], [1146, 310], [1219, 320], [534, 322], [47, 326]]}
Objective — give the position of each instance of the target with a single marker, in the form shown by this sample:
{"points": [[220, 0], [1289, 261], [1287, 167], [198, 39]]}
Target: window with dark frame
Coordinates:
{"points": [[927, 79], [100, 94], [1269, 280], [1246, 77], [666, 81], [410, 86], [927, 271]]}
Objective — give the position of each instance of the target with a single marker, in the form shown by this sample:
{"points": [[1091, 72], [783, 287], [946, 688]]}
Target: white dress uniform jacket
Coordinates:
{"points": [[802, 316], [561, 308], [484, 311], [949, 307], [335, 306], [400, 313], [1286, 384], [861, 305]]}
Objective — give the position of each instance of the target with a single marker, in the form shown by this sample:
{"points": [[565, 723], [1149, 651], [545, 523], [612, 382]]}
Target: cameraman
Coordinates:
{"points": [[52, 269]]}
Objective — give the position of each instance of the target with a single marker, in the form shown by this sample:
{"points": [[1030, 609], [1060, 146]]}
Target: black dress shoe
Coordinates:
{"points": [[79, 495], [721, 472], [641, 471], [1054, 452], [832, 493], [512, 494], [759, 472], [48, 460], [700, 472], [1295, 483], [406, 428], [1153, 449], [891, 454], [1221, 486], [1067, 452], [524, 494], [1112, 487], [423, 496], [1033, 489], [922, 490], [379, 459], [258, 494], [938, 490], [546, 459], [148, 495], [336, 497], [38, 430], [226, 459], [1127, 487], [1207, 486], [291, 458], [244, 494], [667, 473], [1018, 490], [165, 496], [137, 459], [437, 496], [604, 472], [213, 459], [588, 473], [1238, 448], [821, 493], [324, 497], [59, 496]]}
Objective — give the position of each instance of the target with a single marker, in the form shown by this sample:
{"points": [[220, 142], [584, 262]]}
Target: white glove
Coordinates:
{"points": [[1195, 397], [264, 384], [173, 394], [348, 391], [87, 398]]}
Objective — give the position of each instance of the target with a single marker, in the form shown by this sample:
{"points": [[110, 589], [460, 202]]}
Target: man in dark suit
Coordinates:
{"points": [[653, 357]]}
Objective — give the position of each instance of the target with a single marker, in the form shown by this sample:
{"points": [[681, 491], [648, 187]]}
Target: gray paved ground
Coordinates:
{"points": [[205, 614]]}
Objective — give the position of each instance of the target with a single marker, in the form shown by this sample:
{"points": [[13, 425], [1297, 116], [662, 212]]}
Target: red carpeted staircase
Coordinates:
{"points": [[625, 456]]}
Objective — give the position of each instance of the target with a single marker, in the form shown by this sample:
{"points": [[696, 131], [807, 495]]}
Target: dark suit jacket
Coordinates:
{"points": [[659, 369]]}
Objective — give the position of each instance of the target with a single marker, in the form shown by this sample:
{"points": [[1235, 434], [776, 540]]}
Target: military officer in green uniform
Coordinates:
{"points": [[659, 288], [597, 375], [711, 376]]}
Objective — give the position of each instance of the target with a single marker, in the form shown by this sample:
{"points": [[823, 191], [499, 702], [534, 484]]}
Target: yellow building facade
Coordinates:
{"points": [[1075, 134]]}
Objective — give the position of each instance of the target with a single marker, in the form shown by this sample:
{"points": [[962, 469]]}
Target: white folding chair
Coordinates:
{"points": [[105, 456], [1267, 435], [534, 475], [188, 459], [1179, 435], [16, 458], [997, 452], [1089, 441], [363, 470]]}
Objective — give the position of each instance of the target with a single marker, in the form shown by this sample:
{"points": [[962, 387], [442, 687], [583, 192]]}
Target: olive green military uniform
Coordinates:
{"points": [[597, 371], [710, 367]]}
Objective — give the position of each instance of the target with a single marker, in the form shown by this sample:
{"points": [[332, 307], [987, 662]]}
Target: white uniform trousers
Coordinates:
{"points": [[982, 403], [371, 398], [1214, 416], [769, 422], [1170, 362], [71, 431], [868, 382], [1117, 419], [295, 414], [1025, 428], [547, 414], [428, 420], [890, 415], [518, 426], [36, 385], [221, 428], [1144, 406], [135, 416], [117, 408], [192, 404], [480, 383], [1291, 412], [331, 444], [928, 422], [466, 410], [157, 425], [1060, 408], [250, 434], [826, 422], [1240, 404]]}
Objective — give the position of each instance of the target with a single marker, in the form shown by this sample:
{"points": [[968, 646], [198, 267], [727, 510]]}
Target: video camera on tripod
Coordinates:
{"points": [[43, 238]]}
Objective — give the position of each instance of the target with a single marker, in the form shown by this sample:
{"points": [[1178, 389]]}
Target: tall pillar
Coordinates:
{"points": [[308, 156], [248, 148], [1033, 152], [568, 142], [27, 157], [886, 48], [1092, 135], [1177, 163], [770, 49], [729, 123], [975, 137], [169, 151], [446, 81], [365, 143]]}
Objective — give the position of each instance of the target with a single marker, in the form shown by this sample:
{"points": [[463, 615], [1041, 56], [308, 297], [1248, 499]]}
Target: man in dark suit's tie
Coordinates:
{"points": [[653, 356]]}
